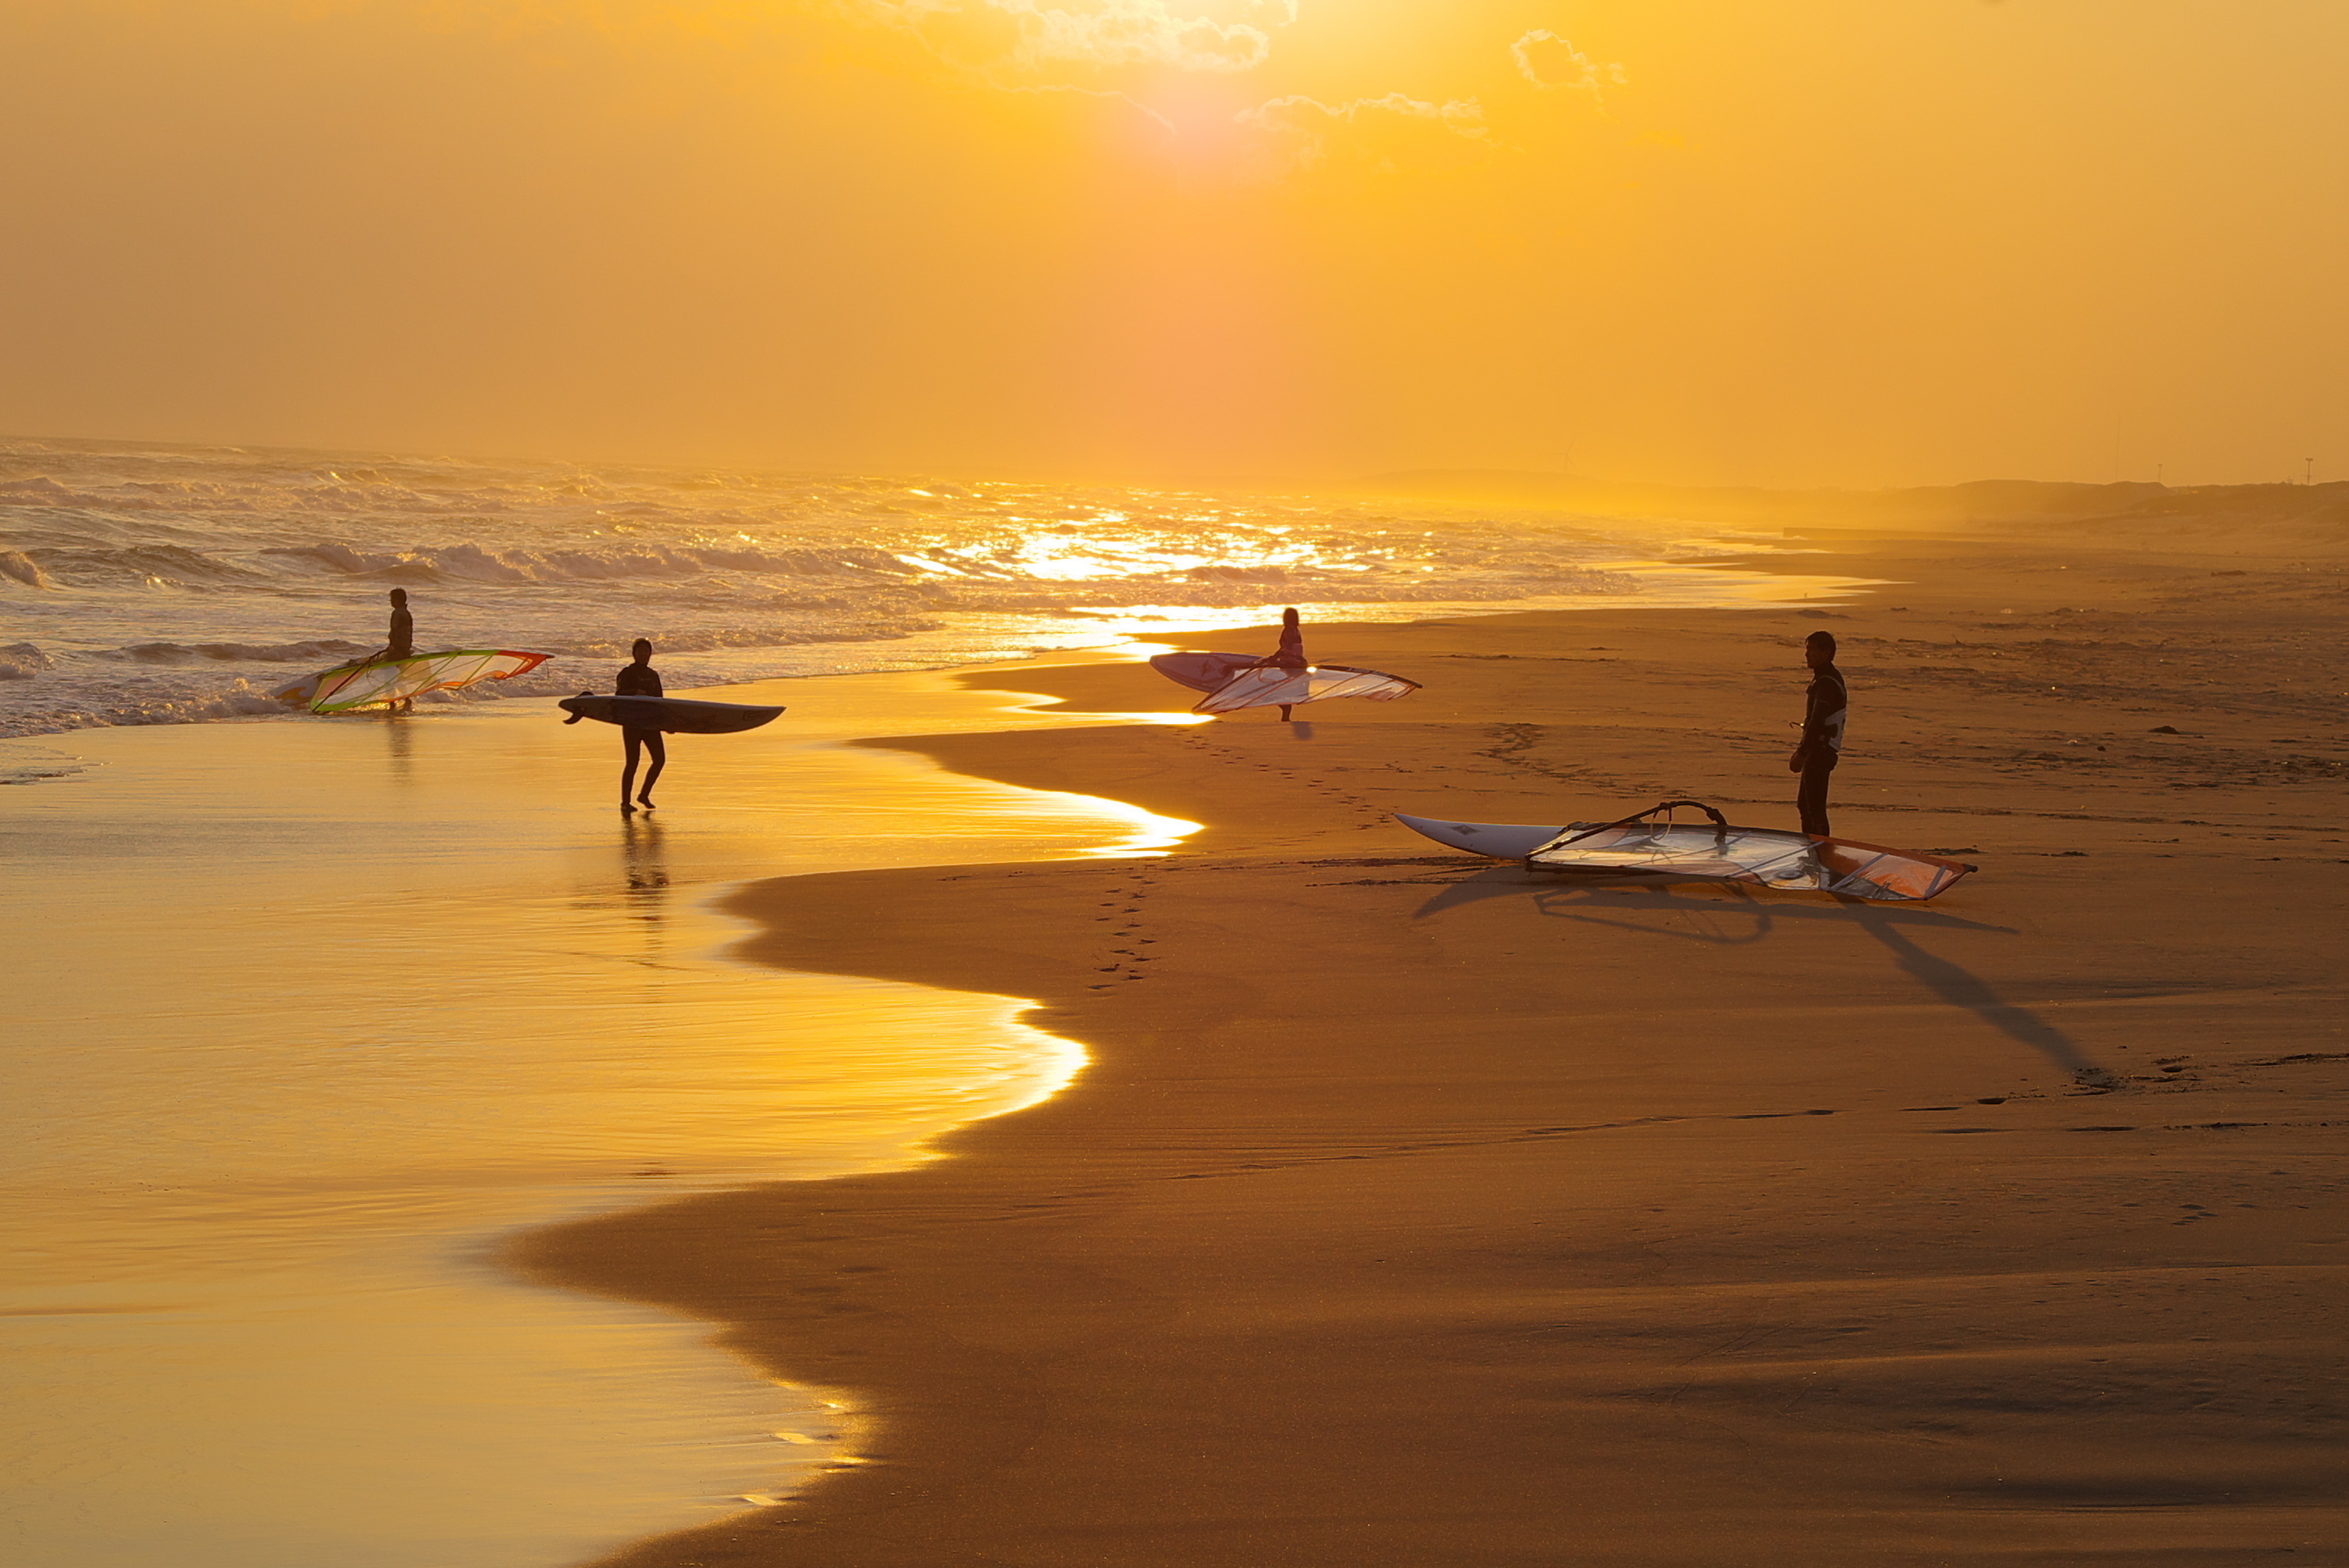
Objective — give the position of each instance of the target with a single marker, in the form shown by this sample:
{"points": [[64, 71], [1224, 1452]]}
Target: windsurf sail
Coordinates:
{"points": [[372, 682], [1769, 856], [1270, 686]]}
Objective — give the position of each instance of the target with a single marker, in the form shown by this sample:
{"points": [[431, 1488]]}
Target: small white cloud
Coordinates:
{"points": [[1549, 62], [1030, 35]]}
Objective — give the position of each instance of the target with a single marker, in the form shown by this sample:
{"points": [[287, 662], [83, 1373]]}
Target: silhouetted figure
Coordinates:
{"points": [[400, 640], [640, 679], [1290, 656], [1824, 705]]}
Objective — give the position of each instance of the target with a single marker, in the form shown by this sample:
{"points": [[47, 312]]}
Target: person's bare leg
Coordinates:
{"points": [[629, 773], [657, 748], [1284, 712]]}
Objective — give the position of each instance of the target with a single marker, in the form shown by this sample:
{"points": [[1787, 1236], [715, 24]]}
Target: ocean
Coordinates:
{"points": [[150, 584]]}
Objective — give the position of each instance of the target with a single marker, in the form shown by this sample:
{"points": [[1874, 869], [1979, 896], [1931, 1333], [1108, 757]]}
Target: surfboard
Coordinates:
{"points": [[676, 715], [1502, 840], [1203, 672]]}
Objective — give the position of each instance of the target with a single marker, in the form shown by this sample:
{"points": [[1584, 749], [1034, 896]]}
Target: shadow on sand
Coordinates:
{"points": [[1729, 914]]}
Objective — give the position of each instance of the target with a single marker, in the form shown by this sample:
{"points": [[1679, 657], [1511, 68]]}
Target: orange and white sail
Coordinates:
{"points": [[1767, 857], [371, 683]]}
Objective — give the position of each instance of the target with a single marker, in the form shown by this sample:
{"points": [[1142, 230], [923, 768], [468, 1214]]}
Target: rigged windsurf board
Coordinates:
{"points": [[368, 682], [1774, 858], [676, 715]]}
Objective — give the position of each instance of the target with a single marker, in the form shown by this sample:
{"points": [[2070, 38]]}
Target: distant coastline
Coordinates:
{"points": [[2001, 504]]}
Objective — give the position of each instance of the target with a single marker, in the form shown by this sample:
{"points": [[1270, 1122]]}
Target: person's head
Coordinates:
{"points": [[642, 650], [1288, 619], [399, 598], [1818, 650]]}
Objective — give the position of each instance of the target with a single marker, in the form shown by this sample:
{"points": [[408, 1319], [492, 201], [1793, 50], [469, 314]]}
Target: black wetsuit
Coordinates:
{"points": [[641, 680], [402, 641], [1823, 709]]}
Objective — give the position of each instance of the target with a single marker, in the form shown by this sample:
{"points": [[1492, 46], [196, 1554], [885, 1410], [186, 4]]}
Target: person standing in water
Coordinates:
{"points": [[1290, 654], [1824, 705], [399, 642], [640, 679]]}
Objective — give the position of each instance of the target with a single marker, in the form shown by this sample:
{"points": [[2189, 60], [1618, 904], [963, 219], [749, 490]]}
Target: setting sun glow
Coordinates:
{"points": [[1834, 241]]}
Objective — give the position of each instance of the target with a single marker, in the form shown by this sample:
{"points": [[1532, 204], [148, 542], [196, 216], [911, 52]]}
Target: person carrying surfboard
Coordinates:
{"points": [[640, 679], [1826, 702]]}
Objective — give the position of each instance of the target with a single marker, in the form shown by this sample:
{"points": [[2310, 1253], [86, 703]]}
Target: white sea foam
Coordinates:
{"points": [[144, 585], [22, 661]]}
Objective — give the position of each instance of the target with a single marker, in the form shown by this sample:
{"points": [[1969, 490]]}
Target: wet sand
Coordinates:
{"points": [[314, 1012], [1415, 1212]]}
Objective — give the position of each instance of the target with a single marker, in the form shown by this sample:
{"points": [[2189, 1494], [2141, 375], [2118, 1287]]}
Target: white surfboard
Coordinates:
{"points": [[1502, 840]]}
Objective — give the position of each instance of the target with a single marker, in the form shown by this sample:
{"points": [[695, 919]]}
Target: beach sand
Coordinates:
{"points": [[1417, 1212]]}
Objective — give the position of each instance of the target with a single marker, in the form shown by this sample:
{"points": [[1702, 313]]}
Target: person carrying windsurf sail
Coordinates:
{"points": [[399, 642], [640, 679], [1826, 704], [1284, 678], [1290, 654]]}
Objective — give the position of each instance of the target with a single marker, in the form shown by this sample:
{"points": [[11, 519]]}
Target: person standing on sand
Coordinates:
{"points": [[640, 679], [1825, 705], [1290, 654]]}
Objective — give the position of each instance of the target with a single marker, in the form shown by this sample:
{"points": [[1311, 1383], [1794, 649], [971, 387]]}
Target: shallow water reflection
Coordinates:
{"points": [[310, 1013]]}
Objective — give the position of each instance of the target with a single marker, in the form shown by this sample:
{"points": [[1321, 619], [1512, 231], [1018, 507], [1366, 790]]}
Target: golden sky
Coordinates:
{"points": [[1771, 241]]}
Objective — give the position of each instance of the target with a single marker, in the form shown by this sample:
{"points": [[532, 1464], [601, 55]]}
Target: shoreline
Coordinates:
{"points": [[1410, 1212], [395, 990]]}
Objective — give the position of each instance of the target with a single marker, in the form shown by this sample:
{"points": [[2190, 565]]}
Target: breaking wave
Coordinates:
{"points": [[22, 661], [329, 651], [19, 567]]}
